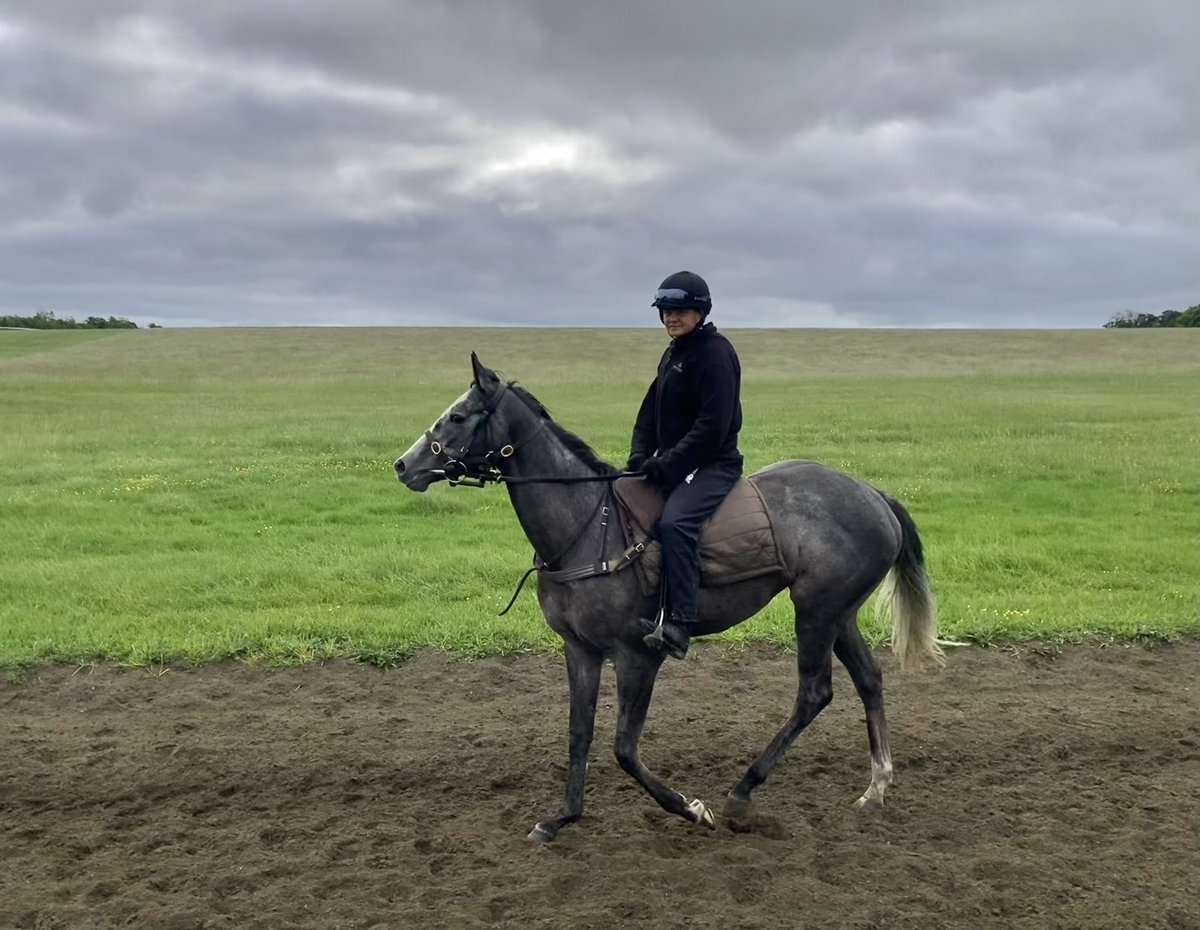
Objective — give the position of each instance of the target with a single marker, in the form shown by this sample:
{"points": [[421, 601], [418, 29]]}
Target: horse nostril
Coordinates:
{"points": [[399, 466]]}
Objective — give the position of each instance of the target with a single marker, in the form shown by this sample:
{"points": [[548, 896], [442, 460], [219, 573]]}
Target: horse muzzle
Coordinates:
{"points": [[415, 480]]}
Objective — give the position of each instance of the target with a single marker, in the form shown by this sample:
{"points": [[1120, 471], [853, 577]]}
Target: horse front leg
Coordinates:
{"points": [[583, 673], [635, 685]]}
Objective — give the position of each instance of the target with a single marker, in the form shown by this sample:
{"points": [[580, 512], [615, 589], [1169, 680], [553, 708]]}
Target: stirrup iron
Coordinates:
{"points": [[654, 639]]}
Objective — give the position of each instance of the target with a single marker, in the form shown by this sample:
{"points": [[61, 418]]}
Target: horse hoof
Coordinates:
{"points": [[738, 808], [869, 806], [700, 815], [541, 834]]}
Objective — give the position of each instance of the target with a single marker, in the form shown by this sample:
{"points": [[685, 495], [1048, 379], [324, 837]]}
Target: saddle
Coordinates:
{"points": [[736, 543]]}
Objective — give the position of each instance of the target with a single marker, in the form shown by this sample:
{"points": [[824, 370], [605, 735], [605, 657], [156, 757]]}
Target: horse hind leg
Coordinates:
{"points": [[815, 635], [853, 652]]}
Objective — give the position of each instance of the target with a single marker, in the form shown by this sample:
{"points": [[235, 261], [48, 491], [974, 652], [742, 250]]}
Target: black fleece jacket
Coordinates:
{"points": [[693, 411]]}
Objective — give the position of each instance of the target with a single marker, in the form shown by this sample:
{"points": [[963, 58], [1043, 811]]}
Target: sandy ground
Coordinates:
{"points": [[1035, 788]]}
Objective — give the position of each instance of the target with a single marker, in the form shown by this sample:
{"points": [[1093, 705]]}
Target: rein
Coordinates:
{"points": [[481, 479]]}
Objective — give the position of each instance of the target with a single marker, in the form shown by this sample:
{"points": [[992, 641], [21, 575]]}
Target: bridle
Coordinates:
{"points": [[476, 471]]}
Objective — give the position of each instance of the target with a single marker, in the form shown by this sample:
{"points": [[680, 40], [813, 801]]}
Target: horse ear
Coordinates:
{"points": [[484, 376]]}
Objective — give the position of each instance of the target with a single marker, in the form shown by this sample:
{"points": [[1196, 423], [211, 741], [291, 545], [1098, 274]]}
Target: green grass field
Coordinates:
{"points": [[189, 495]]}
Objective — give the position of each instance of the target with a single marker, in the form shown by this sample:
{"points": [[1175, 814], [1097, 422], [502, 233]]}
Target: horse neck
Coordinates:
{"points": [[553, 514]]}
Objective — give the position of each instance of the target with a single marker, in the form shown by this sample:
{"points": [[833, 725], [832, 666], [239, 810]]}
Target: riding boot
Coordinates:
{"points": [[673, 635], [677, 634]]}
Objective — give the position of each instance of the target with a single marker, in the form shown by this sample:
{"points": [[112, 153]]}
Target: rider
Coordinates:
{"points": [[685, 442]]}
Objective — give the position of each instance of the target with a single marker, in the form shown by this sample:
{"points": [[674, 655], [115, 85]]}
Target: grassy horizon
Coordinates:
{"points": [[192, 495]]}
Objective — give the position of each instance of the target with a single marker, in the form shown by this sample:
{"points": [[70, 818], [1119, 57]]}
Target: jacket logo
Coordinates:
{"points": [[678, 366]]}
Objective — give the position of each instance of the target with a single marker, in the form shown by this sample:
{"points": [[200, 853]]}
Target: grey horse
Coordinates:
{"points": [[839, 537]]}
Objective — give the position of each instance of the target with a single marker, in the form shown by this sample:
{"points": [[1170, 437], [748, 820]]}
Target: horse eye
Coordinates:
{"points": [[456, 418]]}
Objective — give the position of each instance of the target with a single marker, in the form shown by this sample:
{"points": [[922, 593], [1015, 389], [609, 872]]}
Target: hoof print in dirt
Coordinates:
{"points": [[760, 825]]}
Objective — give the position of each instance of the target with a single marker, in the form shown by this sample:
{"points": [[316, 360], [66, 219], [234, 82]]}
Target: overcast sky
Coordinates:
{"points": [[548, 162]]}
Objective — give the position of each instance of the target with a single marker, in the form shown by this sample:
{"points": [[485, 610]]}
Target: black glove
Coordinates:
{"points": [[635, 462], [654, 471]]}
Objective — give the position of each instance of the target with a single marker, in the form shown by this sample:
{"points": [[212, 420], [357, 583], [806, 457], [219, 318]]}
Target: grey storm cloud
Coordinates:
{"points": [[526, 163]]}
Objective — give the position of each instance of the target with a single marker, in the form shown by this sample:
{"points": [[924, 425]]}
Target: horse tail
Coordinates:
{"points": [[907, 594]]}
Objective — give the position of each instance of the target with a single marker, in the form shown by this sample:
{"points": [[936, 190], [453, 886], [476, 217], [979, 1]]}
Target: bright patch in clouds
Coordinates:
{"points": [[530, 155]]}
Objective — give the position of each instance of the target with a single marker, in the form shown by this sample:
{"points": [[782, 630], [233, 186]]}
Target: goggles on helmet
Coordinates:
{"points": [[676, 298]]}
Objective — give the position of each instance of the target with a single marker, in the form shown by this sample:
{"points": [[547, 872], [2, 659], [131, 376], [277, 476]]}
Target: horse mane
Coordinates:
{"points": [[576, 446]]}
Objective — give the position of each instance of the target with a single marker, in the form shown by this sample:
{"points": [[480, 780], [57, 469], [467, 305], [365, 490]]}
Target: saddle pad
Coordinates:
{"points": [[736, 543]]}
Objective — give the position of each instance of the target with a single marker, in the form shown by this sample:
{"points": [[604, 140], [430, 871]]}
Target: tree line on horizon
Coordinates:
{"points": [[45, 319], [1131, 320]]}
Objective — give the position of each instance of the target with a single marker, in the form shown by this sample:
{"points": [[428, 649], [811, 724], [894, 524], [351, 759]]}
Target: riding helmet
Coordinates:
{"points": [[684, 290]]}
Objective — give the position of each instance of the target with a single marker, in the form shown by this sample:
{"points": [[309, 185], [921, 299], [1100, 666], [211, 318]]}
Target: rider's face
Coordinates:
{"points": [[680, 322]]}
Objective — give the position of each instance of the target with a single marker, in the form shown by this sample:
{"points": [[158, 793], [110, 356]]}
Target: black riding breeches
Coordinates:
{"points": [[686, 509]]}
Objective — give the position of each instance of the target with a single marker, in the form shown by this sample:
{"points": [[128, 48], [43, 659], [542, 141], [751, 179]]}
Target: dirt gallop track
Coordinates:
{"points": [[1033, 790]]}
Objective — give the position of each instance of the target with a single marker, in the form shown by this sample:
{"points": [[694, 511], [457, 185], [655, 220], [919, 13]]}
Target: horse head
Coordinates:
{"points": [[458, 439]]}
